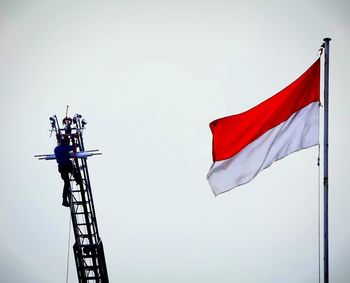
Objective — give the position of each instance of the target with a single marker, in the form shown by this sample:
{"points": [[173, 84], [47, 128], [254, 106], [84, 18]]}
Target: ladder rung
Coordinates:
{"points": [[89, 267], [80, 202], [92, 277], [73, 180], [89, 216], [85, 256], [79, 213], [80, 224], [87, 235]]}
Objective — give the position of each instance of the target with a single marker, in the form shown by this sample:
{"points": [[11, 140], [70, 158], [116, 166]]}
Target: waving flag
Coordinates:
{"points": [[247, 143]]}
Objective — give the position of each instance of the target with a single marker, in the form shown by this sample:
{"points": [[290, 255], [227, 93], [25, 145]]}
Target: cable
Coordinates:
{"points": [[70, 222], [319, 218]]}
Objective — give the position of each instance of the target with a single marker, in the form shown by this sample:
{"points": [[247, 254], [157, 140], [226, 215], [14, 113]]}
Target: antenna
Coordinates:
{"points": [[67, 110]]}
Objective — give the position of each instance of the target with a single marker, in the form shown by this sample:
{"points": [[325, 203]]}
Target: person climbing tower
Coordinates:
{"points": [[66, 167]]}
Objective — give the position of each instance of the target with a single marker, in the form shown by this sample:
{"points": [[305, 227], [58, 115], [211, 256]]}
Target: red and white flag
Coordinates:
{"points": [[247, 143]]}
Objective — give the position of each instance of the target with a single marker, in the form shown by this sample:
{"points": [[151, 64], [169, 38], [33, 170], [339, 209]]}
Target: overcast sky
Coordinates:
{"points": [[149, 76]]}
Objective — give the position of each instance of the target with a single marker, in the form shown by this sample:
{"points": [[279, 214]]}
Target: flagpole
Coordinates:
{"points": [[325, 157]]}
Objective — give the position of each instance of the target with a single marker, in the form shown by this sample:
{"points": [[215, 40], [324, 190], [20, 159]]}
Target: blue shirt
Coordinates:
{"points": [[62, 154]]}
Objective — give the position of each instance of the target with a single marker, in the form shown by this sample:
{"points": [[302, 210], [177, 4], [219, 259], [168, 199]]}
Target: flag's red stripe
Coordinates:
{"points": [[231, 134]]}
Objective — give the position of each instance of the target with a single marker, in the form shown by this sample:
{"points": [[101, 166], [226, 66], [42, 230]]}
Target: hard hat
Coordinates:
{"points": [[67, 121]]}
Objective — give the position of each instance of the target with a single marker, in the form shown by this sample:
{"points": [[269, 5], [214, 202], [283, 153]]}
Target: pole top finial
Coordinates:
{"points": [[327, 39]]}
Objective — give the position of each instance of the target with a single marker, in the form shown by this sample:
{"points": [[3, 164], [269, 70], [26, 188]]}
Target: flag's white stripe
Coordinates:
{"points": [[298, 132]]}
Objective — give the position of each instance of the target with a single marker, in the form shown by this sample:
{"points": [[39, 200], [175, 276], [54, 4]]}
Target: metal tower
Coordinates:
{"points": [[88, 248]]}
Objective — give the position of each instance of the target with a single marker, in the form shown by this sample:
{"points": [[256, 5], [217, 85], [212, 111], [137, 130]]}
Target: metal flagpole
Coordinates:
{"points": [[325, 157]]}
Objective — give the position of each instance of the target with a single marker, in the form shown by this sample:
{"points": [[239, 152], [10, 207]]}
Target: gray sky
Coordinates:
{"points": [[149, 76]]}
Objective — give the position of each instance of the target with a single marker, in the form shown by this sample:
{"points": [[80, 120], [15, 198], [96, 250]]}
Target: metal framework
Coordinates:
{"points": [[88, 248]]}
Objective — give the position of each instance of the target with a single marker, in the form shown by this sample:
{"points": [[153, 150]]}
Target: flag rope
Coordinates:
{"points": [[320, 51], [70, 220], [318, 213]]}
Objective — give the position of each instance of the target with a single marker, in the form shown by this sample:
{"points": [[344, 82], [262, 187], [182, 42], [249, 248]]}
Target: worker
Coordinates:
{"points": [[67, 122], [66, 167]]}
